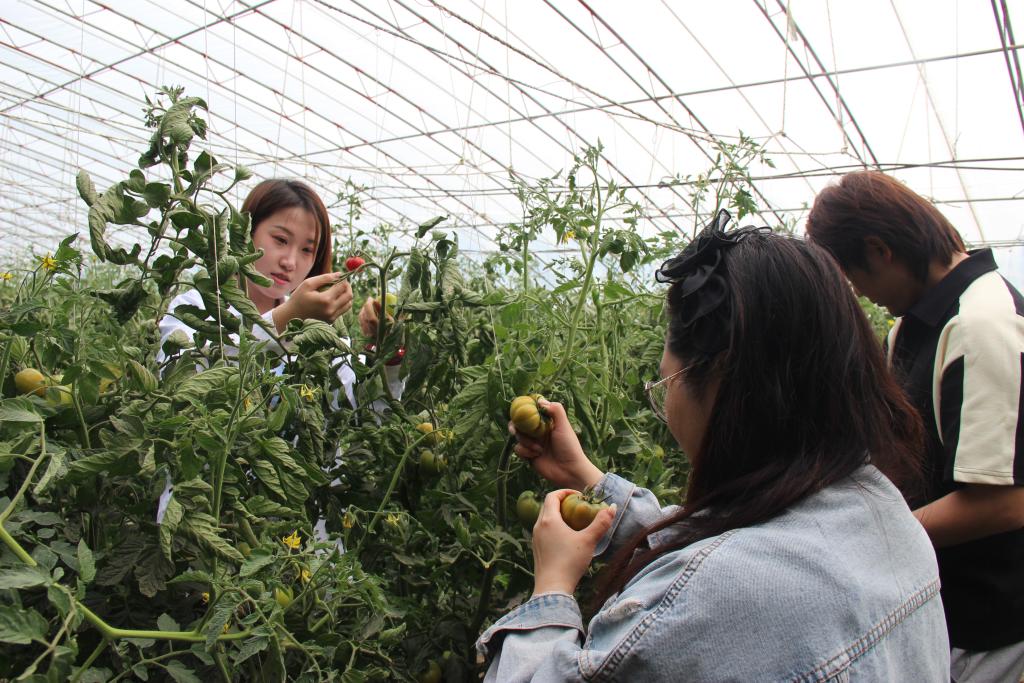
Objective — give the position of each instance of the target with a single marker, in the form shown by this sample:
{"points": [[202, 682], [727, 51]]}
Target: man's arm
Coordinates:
{"points": [[973, 512]]}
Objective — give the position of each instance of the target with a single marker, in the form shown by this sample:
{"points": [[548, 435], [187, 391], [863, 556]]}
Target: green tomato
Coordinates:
{"points": [[59, 395], [283, 596], [528, 508], [432, 674], [433, 463], [579, 510]]}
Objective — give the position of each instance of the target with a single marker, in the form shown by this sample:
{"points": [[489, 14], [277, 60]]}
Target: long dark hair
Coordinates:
{"points": [[276, 194], [804, 397], [872, 204]]}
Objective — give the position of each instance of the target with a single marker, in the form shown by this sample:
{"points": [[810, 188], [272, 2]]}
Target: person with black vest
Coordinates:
{"points": [[957, 348]]}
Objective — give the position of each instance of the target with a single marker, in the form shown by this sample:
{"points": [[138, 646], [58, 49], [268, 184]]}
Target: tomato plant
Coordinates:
{"points": [[212, 507]]}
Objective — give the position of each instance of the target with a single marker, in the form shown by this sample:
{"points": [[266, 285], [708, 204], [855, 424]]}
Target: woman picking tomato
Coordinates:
{"points": [[290, 224], [794, 555]]}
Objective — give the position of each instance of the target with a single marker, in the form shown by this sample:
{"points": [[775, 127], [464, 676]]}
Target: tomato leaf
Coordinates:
{"points": [[251, 647], [256, 561], [19, 410], [21, 626], [426, 227], [181, 673], [86, 562]]}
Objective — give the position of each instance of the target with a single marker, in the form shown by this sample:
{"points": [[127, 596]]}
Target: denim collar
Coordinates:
{"points": [[934, 305]]}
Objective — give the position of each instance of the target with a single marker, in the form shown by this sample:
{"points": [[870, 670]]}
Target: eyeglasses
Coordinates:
{"points": [[656, 391]]}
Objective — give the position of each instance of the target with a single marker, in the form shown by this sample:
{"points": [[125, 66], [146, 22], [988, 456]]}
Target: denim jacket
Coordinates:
{"points": [[842, 586]]}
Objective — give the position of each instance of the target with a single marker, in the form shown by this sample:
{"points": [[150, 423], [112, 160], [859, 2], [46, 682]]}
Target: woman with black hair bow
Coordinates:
{"points": [[794, 556]]}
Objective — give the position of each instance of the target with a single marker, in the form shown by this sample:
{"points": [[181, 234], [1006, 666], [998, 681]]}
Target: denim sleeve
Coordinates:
{"points": [[537, 641], [638, 508]]}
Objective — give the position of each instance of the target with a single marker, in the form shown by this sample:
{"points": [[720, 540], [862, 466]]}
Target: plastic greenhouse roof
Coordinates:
{"points": [[432, 104]]}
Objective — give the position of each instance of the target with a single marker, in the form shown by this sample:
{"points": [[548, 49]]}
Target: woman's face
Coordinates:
{"points": [[288, 240], [686, 414]]}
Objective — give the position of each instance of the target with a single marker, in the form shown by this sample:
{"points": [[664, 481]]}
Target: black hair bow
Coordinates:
{"points": [[697, 268]]}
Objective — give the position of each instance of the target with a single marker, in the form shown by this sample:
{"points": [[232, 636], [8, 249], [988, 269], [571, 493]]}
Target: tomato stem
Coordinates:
{"points": [[387, 494]]}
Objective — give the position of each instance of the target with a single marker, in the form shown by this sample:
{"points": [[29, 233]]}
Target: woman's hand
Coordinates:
{"points": [[560, 555], [369, 317], [306, 302], [558, 457]]}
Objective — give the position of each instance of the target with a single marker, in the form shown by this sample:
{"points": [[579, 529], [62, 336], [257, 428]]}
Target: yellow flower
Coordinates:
{"points": [[348, 521], [391, 519], [7, 277], [305, 575], [891, 322], [293, 542], [226, 627], [48, 263], [568, 235], [206, 597], [307, 392]]}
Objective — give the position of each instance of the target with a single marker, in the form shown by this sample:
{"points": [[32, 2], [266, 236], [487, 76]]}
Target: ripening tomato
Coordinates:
{"points": [[580, 509], [353, 262], [435, 437], [30, 381], [529, 417], [528, 508]]}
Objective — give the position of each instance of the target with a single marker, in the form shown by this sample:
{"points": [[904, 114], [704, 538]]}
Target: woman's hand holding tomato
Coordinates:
{"points": [[558, 456], [369, 317], [307, 302], [560, 555]]}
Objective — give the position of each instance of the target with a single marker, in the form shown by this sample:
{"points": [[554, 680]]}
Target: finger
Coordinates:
{"points": [[601, 524], [523, 438], [526, 453], [555, 498], [551, 509], [555, 410], [341, 290], [318, 281]]}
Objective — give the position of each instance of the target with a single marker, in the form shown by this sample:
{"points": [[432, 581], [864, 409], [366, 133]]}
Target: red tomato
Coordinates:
{"points": [[353, 262]]}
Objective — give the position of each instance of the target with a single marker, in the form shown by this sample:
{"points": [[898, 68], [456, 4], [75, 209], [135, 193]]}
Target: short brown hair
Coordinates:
{"points": [[276, 194], [869, 203]]}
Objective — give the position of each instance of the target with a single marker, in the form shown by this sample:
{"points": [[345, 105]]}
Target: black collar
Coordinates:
{"points": [[931, 309]]}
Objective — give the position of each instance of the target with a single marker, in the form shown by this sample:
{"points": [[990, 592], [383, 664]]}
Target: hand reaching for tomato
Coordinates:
{"points": [[560, 555], [308, 302], [369, 314], [557, 456]]}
